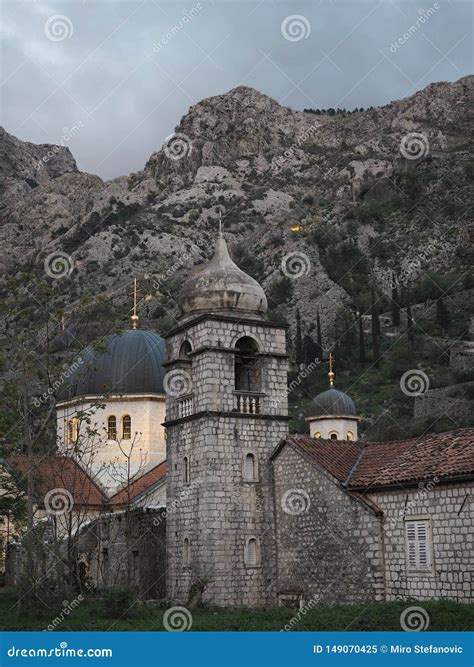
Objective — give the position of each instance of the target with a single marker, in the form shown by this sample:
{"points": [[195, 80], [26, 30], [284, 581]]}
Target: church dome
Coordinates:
{"points": [[332, 403], [220, 286], [125, 363]]}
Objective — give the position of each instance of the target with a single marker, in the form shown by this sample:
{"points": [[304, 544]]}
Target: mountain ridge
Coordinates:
{"points": [[330, 166]]}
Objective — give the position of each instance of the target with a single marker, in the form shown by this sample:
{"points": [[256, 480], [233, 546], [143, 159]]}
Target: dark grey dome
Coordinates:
{"points": [[220, 286], [331, 402], [126, 363]]}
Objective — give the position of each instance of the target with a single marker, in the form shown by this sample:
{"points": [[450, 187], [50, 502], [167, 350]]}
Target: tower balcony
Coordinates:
{"points": [[248, 402], [185, 406]]}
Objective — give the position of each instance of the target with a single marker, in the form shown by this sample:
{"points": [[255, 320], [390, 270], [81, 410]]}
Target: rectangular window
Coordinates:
{"points": [[418, 545]]}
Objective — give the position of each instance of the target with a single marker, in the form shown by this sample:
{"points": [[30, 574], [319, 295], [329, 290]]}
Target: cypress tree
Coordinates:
{"points": [[375, 329], [443, 317], [361, 341], [299, 342], [319, 338], [410, 327], [395, 307]]}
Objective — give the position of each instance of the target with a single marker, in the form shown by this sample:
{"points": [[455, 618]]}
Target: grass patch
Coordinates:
{"points": [[91, 615]]}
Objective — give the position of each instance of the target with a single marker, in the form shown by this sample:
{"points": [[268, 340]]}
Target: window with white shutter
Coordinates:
{"points": [[252, 556], [418, 544], [250, 468]]}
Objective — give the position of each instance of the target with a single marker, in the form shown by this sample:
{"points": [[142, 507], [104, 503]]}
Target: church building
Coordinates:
{"points": [[256, 516]]}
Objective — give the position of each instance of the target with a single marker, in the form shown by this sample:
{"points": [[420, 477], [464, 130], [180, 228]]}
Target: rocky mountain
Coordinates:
{"points": [[318, 205]]}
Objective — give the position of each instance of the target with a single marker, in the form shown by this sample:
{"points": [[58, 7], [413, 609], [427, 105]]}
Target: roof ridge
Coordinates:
{"points": [[354, 468]]}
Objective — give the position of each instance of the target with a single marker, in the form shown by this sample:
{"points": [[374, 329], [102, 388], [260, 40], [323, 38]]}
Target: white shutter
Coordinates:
{"points": [[422, 542], [252, 552], [411, 544], [249, 467], [418, 545]]}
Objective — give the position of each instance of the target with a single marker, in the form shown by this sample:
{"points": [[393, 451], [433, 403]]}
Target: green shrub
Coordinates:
{"points": [[118, 602]]}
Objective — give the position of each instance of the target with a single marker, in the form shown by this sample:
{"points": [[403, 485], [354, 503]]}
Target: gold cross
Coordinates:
{"points": [[331, 373], [134, 317]]}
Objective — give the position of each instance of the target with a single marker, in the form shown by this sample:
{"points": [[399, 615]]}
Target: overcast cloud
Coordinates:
{"points": [[109, 68]]}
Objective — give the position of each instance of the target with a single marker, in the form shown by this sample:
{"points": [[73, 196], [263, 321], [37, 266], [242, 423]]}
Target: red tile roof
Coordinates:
{"points": [[361, 465], [58, 472], [140, 485], [62, 472]]}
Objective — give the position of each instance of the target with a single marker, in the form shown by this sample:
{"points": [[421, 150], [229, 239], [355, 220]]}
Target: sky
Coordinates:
{"points": [[112, 78]]}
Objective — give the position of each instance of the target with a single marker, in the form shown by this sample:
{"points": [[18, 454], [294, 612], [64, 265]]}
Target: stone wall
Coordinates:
{"points": [[450, 509], [126, 550], [452, 401], [217, 511], [329, 546], [113, 550]]}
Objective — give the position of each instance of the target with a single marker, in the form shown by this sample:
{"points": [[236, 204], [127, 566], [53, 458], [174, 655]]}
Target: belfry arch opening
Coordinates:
{"points": [[247, 365], [185, 350]]}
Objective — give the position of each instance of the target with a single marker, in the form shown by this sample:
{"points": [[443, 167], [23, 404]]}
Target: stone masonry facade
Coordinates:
{"points": [[449, 509], [216, 512], [329, 547]]}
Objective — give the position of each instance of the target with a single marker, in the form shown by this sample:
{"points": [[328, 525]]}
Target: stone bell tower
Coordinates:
{"points": [[226, 411]]}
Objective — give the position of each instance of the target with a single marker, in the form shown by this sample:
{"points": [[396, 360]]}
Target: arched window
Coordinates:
{"points": [[252, 553], [72, 430], [185, 350], [186, 552], [350, 435], [126, 427], [186, 470], [247, 366], [250, 468], [69, 431], [112, 428], [334, 435]]}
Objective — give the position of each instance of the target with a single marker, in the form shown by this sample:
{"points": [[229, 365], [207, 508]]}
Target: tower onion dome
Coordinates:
{"points": [[220, 286], [125, 363], [331, 402]]}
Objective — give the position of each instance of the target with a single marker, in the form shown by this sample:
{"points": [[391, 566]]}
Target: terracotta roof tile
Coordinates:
{"points": [[140, 485], [367, 464], [58, 472]]}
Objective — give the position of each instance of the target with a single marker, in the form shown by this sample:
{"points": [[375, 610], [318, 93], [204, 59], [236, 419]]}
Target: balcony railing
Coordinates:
{"points": [[248, 403], [185, 406]]}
